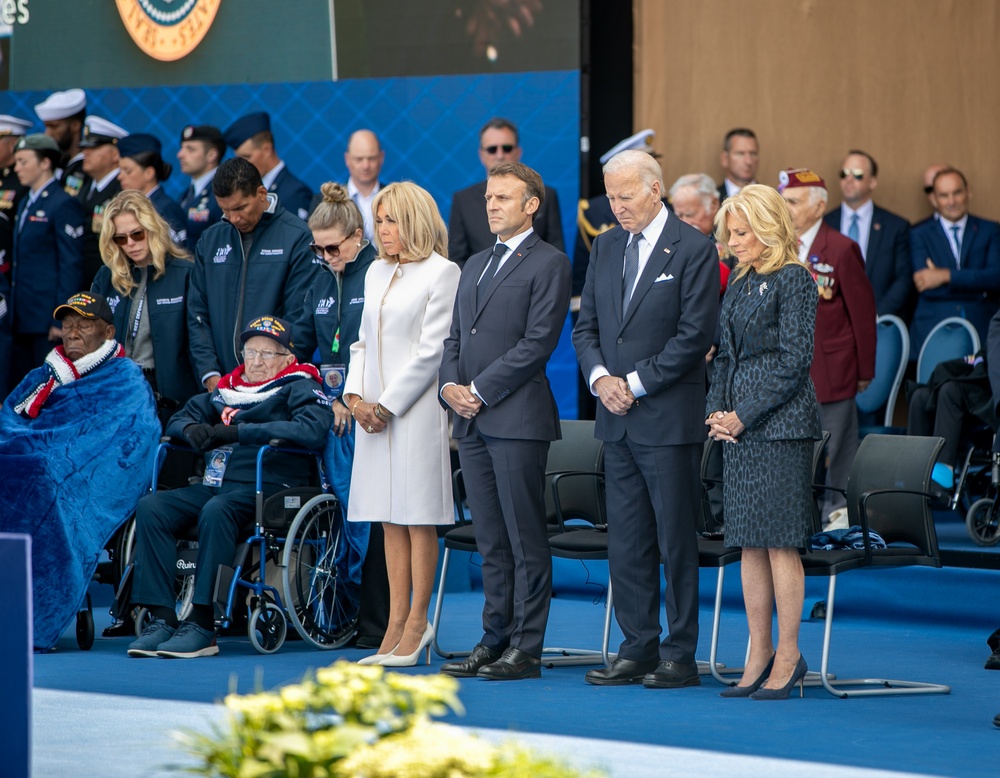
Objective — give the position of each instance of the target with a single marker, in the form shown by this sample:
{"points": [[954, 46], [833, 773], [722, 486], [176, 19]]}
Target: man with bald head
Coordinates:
{"points": [[364, 159]]}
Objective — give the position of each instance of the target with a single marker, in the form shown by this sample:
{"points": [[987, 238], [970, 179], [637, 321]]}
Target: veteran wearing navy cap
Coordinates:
{"points": [[844, 352], [63, 114], [201, 152], [250, 138], [100, 162], [141, 166], [47, 256]]}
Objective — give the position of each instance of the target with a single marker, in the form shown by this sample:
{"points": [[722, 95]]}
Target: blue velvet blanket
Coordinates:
{"points": [[72, 476], [338, 459]]}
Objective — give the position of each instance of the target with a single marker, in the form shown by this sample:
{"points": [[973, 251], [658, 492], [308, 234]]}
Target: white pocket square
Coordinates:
{"points": [[664, 277]]}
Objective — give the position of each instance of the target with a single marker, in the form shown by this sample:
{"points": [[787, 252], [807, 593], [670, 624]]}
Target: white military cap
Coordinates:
{"points": [[11, 125], [641, 141], [61, 105], [98, 131]]}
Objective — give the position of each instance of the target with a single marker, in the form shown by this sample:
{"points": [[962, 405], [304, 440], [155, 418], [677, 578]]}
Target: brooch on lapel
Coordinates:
{"points": [[762, 288]]}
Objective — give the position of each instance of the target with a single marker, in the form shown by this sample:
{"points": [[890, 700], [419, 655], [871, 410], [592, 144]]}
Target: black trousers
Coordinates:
{"points": [[221, 515], [946, 421]]}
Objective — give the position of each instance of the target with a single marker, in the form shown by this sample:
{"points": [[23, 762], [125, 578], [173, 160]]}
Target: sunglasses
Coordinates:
{"points": [[136, 236], [332, 250], [928, 189], [507, 148], [857, 173]]}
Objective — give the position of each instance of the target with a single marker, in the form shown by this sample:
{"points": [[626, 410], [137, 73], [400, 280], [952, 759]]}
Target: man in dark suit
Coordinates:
{"points": [[883, 237], [844, 350], [740, 159], [509, 310], [201, 152], [641, 339], [468, 228], [955, 262], [250, 138]]}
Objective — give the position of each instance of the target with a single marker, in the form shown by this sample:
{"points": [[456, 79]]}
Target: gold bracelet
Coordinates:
{"points": [[355, 407]]}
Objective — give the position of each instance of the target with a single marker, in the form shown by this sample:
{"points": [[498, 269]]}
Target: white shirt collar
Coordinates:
{"points": [[268, 178], [651, 233], [961, 223], [806, 241], [352, 190], [865, 212], [200, 184], [103, 183]]}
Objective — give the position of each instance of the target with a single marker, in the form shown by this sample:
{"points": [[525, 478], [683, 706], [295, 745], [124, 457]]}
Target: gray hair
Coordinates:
{"points": [[639, 162], [700, 183], [818, 193]]}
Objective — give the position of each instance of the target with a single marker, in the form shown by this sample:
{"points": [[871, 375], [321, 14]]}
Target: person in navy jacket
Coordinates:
{"points": [[145, 281], [956, 262], [48, 254], [141, 167], [256, 261], [250, 137]]}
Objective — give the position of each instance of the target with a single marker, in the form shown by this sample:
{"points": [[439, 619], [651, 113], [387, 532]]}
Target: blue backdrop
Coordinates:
{"points": [[429, 128]]}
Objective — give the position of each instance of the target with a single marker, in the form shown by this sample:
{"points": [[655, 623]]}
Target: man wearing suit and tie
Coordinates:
{"points": [[740, 158], [511, 304], [882, 236], [955, 262], [647, 316], [469, 231]]}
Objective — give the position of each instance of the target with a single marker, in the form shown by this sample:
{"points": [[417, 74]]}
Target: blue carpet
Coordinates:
{"points": [[922, 624]]}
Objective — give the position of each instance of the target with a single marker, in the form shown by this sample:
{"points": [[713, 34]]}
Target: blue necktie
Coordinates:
{"points": [[957, 247], [631, 270], [852, 231], [491, 270]]}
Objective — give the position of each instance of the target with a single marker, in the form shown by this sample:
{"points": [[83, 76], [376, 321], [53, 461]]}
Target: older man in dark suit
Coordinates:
{"points": [[469, 231], [647, 316], [955, 262], [882, 236], [509, 310]]}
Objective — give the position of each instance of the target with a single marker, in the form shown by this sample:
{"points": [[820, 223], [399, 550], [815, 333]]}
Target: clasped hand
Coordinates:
{"points": [[364, 414], [725, 426], [462, 400], [615, 394], [205, 437]]}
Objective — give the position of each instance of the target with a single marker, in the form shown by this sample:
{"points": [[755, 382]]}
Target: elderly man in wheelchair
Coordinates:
{"points": [[77, 436], [269, 396]]}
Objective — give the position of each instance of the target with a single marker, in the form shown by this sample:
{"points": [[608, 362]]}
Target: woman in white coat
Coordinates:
{"points": [[402, 474]]}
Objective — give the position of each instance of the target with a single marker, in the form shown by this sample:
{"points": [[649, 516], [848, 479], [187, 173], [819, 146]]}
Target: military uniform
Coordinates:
{"points": [[201, 210], [72, 177]]}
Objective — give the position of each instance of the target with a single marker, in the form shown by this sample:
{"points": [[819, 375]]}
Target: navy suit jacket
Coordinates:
{"points": [[48, 258], [469, 227], [664, 335], [294, 196], [503, 344], [974, 291], [200, 212], [887, 261]]}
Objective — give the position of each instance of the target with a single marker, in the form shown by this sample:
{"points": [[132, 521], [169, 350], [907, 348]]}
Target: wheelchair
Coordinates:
{"points": [[982, 519], [290, 569]]}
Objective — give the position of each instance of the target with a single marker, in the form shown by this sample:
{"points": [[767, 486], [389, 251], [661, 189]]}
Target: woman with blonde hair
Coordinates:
{"points": [[401, 475], [145, 280], [762, 403]]}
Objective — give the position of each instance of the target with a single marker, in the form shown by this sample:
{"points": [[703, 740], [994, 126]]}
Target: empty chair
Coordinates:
{"points": [[891, 355]]}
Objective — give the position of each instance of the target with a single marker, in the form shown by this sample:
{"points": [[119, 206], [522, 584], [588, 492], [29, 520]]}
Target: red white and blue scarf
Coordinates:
{"points": [[62, 370], [238, 393]]}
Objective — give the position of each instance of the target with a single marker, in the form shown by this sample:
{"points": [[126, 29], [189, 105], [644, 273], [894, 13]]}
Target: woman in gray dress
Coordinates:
{"points": [[762, 403]]}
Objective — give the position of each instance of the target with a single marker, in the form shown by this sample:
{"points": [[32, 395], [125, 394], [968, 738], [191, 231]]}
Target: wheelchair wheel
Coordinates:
{"points": [[85, 627], [315, 593], [983, 522], [267, 627], [185, 597]]}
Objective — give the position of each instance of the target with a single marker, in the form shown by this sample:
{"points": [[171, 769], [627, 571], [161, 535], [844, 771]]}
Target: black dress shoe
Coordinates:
{"points": [[672, 675], [621, 672], [468, 667], [514, 665], [993, 661]]}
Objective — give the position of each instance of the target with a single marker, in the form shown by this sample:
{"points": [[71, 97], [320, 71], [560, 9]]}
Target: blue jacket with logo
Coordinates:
{"points": [[325, 311], [48, 258], [167, 300], [228, 289]]}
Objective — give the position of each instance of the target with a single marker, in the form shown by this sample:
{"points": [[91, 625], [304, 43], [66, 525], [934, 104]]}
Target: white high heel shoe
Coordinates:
{"points": [[376, 659], [395, 660]]}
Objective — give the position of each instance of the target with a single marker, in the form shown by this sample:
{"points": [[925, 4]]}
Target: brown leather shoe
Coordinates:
{"points": [[514, 665], [621, 672], [468, 667]]}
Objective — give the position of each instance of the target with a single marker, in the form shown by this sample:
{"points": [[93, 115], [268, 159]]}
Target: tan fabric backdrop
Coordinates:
{"points": [[913, 82]]}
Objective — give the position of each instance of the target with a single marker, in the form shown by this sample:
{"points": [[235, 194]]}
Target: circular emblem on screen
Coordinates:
{"points": [[167, 30]]}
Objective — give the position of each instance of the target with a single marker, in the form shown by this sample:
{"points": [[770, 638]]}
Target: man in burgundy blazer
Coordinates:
{"points": [[844, 353]]}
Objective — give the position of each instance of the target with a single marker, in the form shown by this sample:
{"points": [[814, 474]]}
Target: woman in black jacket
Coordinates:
{"points": [[145, 280]]}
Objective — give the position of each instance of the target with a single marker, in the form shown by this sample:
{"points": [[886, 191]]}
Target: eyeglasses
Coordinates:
{"points": [[333, 249], [137, 236], [507, 148], [928, 189], [249, 354], [857, 173]]}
